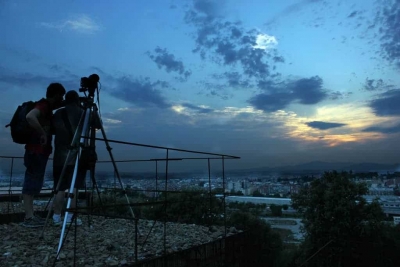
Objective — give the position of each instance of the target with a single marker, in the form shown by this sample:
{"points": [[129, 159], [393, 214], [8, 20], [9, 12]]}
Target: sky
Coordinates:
{"points": [[273, 82]]}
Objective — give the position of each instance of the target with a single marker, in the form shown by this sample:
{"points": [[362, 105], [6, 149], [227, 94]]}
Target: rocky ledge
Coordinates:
{"points": [[106, 242]]}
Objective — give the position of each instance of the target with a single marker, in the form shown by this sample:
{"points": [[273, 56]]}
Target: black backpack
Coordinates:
{"points": [[21, 131]]}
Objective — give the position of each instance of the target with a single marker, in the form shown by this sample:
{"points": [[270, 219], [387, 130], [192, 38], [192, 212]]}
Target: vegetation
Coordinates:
{"points": [[341, 229], [236, 193], [276, 210], [254, 209], [257, 193], [267, 244], [192, 206]]}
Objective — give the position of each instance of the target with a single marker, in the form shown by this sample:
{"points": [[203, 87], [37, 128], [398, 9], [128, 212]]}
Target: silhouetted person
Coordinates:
{"points": [[65, 122], [38, 150]]}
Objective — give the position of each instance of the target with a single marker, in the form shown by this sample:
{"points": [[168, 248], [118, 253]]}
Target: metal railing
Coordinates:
{"points": [[10, 194]]}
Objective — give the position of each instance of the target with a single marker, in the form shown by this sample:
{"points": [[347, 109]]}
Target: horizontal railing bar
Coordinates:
{"points": [[161, 147], [160, 159], [135, 160], [11, 157]]}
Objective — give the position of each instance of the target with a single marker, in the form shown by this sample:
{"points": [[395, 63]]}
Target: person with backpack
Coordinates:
{"points": [[65, 123], [38, 148]]}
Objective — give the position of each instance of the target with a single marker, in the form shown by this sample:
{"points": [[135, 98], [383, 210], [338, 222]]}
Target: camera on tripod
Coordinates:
{"points": [[89, 84]]}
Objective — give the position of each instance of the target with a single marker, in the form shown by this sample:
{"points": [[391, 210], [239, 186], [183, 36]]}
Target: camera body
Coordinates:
{"points": [[89, 84]]}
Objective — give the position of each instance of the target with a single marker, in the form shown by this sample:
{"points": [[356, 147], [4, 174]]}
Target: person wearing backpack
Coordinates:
{"points": [[65, 122], [38, 148]]}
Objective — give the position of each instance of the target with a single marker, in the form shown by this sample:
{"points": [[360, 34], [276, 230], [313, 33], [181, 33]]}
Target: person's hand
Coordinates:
{"points": [[43, 139]]}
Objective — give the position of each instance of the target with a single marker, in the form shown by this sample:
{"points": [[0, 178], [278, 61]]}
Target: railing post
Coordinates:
{"points": [[165, 211], [156, 193], [209, 189], [223, 187], [10, 184]]}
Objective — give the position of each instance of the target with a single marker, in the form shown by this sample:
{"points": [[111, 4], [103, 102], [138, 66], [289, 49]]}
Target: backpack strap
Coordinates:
{"points": [[67, 122]]}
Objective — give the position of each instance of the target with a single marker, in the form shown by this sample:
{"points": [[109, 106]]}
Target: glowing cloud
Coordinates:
{"points": [[80, 23], [178, 108], [265, 41], [111, 121]]}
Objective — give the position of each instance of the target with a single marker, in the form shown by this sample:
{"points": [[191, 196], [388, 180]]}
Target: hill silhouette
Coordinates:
{"points": [[320, 166]]}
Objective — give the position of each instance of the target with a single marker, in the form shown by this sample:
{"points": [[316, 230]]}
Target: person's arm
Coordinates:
{"points": [[33, 119]]}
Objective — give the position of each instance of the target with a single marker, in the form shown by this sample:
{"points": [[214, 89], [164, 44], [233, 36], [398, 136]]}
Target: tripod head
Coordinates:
{"points": [[89, 84]]}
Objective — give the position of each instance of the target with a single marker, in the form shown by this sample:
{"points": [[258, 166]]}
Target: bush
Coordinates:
{"points": [[193, 206], [276, 210], [266, 244]]}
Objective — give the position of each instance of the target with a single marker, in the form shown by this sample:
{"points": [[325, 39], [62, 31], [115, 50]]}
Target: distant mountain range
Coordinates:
{"points": [[313, 167], [320, 166]]}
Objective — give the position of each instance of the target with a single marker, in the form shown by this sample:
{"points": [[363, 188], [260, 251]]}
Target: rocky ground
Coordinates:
{"points": [[16, 207], [107, 242]]}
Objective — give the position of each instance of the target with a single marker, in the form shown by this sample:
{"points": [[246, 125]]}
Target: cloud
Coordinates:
{"points": [[339, 95], [230, 129], [376, 85], [324, 125], [228, 43], [389, 17], [20, 53], [80, 23], [290, 9], [277, 133], [27, 80], [271, 102], [353, 14], [231, 79], [274, 97], [215, 90], [221, 84], [141, 92], [385, 130], [200, 109], [209, 8], [309, 90], [265, 41], [387, 103], [168, 61]]}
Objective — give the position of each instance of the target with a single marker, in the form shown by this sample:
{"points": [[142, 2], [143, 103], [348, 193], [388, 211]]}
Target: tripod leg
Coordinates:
{"points": [[93, 157], [95, 186], [70, 197], [116, 169]]}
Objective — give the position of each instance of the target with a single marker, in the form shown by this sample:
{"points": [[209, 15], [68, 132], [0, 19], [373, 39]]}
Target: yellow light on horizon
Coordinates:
{"points": [[355, 117]]}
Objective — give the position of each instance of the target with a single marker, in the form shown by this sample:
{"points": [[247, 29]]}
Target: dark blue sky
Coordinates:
{"points": [[275, 82]]}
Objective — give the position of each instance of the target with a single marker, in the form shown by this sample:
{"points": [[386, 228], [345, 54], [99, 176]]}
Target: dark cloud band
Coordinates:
{"points": [[166, 60], [320, 125], [276, 96]]}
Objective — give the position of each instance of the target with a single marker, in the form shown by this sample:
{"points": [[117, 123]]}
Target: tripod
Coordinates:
{"points": [[84, 142]]}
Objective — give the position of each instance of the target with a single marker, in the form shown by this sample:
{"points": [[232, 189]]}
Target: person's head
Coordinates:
{"points": [[72, 98], [55, 94]]}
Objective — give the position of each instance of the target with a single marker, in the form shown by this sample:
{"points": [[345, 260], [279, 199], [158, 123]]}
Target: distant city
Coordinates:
{"points": [[382, 180]]}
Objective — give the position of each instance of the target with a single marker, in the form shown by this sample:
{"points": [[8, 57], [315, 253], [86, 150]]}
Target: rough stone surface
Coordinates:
{"points": [[107, 242]]}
